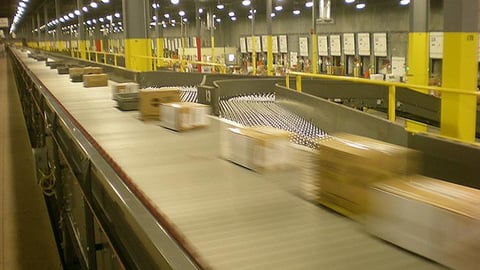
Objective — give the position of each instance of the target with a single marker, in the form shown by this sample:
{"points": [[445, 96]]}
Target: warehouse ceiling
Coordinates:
{"points": [[231, 8]]}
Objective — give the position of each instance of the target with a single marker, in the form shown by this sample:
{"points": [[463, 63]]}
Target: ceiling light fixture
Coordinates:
{"points": [[360, 6], [278, 8], [404, 2], [273, 14], [200, 10], [77, 12], [231, 13], [296, 12], [309, 4], [181, 13], [246, 3], [105, 1], [175, 2], [93, 5], [71, 15], [85, 9], [117, 15], [233, 18], [349, 1], [220, 5]]}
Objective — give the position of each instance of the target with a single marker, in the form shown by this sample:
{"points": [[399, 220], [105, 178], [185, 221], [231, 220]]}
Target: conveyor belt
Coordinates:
{"points": [[231, 218]]}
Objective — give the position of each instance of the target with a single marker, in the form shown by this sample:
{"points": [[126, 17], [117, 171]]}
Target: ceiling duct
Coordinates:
{"points": [[325, 11]]}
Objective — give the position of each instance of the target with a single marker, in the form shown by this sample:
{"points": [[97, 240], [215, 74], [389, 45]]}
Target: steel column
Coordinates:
{"points": [[418, 43], [460, 67]]}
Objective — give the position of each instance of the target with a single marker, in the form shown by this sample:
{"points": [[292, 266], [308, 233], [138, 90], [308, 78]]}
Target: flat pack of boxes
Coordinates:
{"points": [[151, 98], [433, 218], [95, 80], [259, 148], [181, 116], [347, 164], [126, 95]]}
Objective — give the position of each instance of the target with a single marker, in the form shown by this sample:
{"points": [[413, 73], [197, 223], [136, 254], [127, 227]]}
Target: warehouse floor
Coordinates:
{"points": [[26, 237]]}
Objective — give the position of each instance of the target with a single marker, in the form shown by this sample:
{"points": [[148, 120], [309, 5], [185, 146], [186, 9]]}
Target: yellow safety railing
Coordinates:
{"points": [[169, 62], [96, 55], [392, 86]]}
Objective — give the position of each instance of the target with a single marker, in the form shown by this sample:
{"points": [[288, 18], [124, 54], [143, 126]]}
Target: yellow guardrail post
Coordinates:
{"points": [[299, 83], [96, 56], [287, 81], [391, 102], [104, 57]]}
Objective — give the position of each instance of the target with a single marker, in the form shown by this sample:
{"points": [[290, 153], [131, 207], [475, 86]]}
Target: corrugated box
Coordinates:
{"points": [[347, 164], [435, 219], [95, 80], [92, 70], [121, 88], [182, 116], [151, 98], [257, 148], [75, 71]]}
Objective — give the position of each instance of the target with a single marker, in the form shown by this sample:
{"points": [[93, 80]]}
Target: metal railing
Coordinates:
{"points": [[392, 86], [182, 63]]}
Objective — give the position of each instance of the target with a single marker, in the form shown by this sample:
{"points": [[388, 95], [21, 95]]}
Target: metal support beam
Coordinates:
{"points": [[269, 39], [418, 43], [45, 21], [460, 67], [313, 40], [137, 44], [198, 39], [58, 29], [81, 32], [39, 32]]}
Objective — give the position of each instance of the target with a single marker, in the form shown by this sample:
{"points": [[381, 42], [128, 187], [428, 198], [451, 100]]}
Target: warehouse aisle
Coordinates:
{"points": [[26, 237]]}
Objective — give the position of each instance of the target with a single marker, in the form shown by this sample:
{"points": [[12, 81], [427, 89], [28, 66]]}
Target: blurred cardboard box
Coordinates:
{"points": [[120, 88], [151, 98], [75, 71], [95, 80], [180, 116], [92, 70], [436, 219], [257, 148], [347, 164]]}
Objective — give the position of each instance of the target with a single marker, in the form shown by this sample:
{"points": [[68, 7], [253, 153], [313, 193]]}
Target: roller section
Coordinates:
{"points": [[261, 110]]}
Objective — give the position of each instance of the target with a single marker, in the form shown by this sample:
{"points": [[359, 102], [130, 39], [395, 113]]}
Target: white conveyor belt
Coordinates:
{"points": [[232, 217]]}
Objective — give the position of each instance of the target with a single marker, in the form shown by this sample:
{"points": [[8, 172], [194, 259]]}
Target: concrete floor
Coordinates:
{"points": [[26, 237]]}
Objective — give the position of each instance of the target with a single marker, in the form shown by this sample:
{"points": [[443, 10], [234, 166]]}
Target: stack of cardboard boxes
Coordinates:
{"points": [[259, 148], [347, 164], [94, 77], [181, 116], [151, 98], [433, 218]]}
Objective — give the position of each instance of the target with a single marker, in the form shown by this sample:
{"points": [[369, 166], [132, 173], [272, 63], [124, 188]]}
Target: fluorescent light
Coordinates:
{"points": [[22, 4], [185, 19], [296, 11], [77, 12], [233, 18], [71, 15], [65, 18], [273, 14], [404, 2], [220, 6], [246, 3], [101, 20], [94, 5], [85, 9], [349, 1], [155, 5], [166, 15], [62, 20], [200, 10], [309, 4], [250, 16], [360, 6], [117, 15], [175, 2], [218, 20], [231, 13], [181, 13], [278, 8], [105, 1]]}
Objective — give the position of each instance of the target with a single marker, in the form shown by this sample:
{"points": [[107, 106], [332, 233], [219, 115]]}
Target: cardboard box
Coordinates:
{"points": [[95, 80], [121, 88], [92, 70], [75, 71], [151, 98], [257, 148], [347, 164], [436, 219], [180, 116]]}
